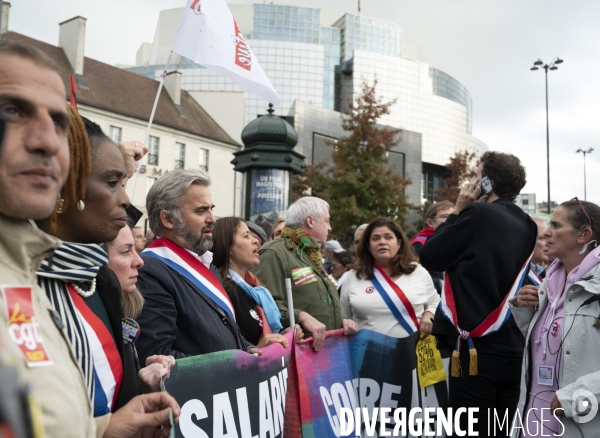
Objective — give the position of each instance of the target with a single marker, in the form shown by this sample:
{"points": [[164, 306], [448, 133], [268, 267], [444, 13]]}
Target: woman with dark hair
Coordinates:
{"points": [[235, 254], [561, 325], [388, 292], [340, 266], [81, 287]]}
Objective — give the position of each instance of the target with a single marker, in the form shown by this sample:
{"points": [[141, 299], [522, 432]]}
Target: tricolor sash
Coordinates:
{"points": [[188, 266], [108, 368], [491, 324], [395, 299], [534, 278]]}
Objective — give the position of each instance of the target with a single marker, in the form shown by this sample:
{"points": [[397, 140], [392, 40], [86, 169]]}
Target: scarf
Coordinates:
{"points": [[302, 243], [263, 298], [79, 263], [422, 236]]}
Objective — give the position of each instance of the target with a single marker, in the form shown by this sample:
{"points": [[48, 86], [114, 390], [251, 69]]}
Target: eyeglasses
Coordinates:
{"points": [[441, 216], [583, 210]]}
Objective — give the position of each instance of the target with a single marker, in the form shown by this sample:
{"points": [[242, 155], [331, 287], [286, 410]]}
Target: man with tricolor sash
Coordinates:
{"points": [[485, 249], [186, 311]]}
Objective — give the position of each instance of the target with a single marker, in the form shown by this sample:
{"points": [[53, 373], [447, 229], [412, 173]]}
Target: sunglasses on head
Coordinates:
{"points": [[583, 210]]}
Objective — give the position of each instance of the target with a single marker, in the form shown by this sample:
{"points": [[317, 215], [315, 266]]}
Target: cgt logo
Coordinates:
{"points": [[22, 326], [584, 405]]}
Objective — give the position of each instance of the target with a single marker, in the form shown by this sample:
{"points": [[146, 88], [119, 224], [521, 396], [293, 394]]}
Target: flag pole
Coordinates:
{"points": [[147, 136], [290, 302]]}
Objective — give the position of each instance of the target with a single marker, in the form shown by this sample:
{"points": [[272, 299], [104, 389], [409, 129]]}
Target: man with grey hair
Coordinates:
{"points": [[186, 311], [297, 255], [539, 254], [357, 235]]}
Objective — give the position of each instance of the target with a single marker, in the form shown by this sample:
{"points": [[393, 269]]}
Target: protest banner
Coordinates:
{"points": [[297, 392], [369, 370], [232, 393]]}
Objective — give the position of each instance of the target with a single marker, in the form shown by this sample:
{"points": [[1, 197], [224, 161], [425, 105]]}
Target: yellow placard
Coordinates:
{"points": [[429, 363]]}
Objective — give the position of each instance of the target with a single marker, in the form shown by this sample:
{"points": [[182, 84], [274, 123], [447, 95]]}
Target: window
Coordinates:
{"points": [[153, 150], [179, 155], [149, 183], [203, 160], [115, 134]]}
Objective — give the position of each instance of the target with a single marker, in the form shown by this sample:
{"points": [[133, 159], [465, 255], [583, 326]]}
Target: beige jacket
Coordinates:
{"points": [[59, 387]]}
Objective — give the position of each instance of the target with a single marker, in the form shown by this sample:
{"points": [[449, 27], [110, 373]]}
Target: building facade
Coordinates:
{"points": [[183, 135], [322, 59]]}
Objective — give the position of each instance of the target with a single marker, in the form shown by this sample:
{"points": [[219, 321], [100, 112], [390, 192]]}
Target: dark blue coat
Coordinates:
{"points": [[179, 319]]}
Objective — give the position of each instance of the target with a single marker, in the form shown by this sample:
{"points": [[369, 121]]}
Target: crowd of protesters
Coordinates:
{"points": [[514, 302]]}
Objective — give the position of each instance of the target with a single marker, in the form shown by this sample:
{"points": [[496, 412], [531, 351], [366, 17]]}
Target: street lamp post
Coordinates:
{"points": [[551, 66], [589, 151]]}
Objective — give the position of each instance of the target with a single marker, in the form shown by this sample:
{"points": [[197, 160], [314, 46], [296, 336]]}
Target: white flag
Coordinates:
{"points": [[209, 36]]}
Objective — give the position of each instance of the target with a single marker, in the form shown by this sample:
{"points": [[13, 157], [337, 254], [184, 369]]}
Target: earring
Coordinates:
{"points": [[60, 206], [80, 205], [584, 249]]}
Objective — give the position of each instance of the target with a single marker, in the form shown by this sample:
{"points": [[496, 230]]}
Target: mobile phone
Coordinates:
{"points": [[486, 187]]}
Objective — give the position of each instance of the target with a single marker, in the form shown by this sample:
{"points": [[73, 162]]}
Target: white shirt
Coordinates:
{"points": [[369, 310], [342, 278], [205, 258]]}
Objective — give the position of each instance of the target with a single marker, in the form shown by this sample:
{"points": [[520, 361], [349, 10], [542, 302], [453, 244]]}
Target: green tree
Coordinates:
{"points": [[359, 183]]}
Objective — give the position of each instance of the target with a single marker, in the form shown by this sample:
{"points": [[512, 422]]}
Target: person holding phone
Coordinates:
{"points": [[484, 249]]}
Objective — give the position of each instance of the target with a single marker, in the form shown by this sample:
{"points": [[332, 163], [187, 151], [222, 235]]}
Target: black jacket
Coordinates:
{"points": [[483, 249], [179, 319], [109, 289], [437, 277]]}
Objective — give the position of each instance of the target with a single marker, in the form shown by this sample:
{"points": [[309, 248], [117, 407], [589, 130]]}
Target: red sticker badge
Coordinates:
{"points": [[23, 327]]}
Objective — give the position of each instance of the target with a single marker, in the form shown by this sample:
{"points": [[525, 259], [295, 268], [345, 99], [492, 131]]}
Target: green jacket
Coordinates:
{"points": [[312, 292]]}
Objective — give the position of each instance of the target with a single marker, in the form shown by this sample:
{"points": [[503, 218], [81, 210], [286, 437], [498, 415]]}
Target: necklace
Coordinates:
{"points": [[83, 293]]}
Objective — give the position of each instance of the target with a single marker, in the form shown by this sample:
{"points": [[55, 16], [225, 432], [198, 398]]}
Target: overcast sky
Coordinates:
{"points": [[487, 45]]}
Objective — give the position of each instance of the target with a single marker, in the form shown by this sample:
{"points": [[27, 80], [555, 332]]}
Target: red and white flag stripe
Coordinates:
{"points": [[495, 320], [396, 300]]}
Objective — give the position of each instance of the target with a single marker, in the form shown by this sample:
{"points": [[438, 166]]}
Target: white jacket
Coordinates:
{"points": [[580, 351]]}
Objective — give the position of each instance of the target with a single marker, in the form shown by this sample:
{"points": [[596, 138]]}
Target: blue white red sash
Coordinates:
{"points": [[395, 299], [534, 278], [108, 368], [493, 322], [182, 261]]}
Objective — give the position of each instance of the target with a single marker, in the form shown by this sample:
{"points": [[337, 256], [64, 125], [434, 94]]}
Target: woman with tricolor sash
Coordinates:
{"points": [[85, 293], [388, 291], [235, 254], [560, 377]]}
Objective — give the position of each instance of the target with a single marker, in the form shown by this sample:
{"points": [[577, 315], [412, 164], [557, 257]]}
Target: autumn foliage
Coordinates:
{"points": [[359, 182], [461, 166]]}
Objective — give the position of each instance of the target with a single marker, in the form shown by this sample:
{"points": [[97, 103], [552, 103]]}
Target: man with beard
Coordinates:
{"points": [[186, 310]]}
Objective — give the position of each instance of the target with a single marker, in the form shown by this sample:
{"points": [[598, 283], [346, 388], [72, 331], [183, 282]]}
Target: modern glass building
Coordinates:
{"points": [[321, 59]]}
